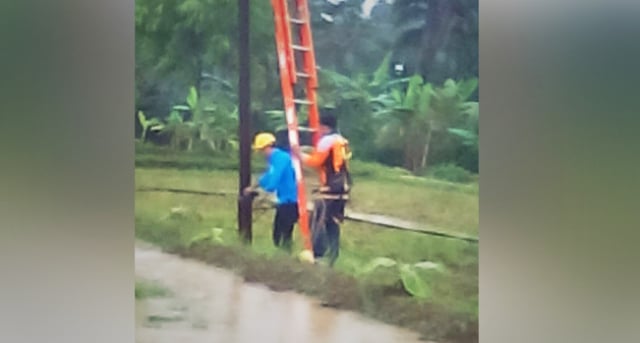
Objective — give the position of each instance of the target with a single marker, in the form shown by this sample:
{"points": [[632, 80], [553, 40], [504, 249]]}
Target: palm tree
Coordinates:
{"points": [[438, 38]]}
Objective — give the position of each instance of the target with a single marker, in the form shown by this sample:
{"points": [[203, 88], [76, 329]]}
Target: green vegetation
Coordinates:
{"points": [[413, 116], [451, 172], [146, 289], [427, 200], [421, 115], [403, 82], [420, 276]]}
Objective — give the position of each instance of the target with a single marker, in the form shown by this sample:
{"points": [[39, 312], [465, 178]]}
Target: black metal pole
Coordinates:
{"points": [[244, 132]]}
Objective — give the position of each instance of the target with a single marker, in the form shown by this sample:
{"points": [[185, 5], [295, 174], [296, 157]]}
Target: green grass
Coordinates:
{"points": [[149, 156], [146, 289], [450, 209], [173, 220]]}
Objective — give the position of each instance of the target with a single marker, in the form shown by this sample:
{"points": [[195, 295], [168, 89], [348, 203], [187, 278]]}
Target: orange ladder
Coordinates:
{"points": [[287, 50]]}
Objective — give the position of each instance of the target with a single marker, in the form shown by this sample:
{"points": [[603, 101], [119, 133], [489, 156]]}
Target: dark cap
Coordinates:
{"points": [[328, 119]]}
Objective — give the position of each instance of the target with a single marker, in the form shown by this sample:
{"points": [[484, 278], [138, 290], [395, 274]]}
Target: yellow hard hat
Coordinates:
{"points": [[263, 140]]}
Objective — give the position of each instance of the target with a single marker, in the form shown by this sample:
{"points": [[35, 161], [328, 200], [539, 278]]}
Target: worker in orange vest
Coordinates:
{"points": [[330, 158]]}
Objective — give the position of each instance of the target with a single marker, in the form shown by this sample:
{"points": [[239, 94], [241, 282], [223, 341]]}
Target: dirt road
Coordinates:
{"points": [[209, 304]]}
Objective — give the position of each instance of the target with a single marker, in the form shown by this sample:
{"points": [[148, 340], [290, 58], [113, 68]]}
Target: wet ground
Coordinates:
{"points": [[211, 305]]}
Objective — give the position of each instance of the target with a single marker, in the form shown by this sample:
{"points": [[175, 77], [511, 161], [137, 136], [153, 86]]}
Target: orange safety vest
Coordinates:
{"points": [[334, 172]]}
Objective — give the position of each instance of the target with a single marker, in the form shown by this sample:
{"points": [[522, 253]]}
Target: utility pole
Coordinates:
{"points": [[244, 132]]}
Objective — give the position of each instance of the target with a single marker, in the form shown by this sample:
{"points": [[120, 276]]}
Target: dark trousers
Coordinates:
{"points": [[327, 216], [286, 217]]}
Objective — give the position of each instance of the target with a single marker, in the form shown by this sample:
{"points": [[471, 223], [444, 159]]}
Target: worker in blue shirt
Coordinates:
{"points": [[280, 178]]}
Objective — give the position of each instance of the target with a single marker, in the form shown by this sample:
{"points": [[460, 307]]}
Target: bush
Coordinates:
{"points": [[145, 289], [450, 172]]}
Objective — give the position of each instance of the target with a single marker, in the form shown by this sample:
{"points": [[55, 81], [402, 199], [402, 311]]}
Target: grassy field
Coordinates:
{"points": [[410, 199], [204, 227]]}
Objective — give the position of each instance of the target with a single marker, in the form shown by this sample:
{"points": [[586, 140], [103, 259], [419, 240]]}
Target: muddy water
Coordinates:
{"points": [[213, 305]]}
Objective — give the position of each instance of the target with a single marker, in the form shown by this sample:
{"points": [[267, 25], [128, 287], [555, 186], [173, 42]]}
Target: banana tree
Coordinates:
{"points": [[178, 130], [451, 105], [212, 124], [351, 98], [407, 120], [147, 124], [412, 116], [468, 133], [218, 129], [275, 120]]}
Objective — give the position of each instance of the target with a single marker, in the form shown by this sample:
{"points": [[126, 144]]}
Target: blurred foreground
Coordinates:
{"points": [[207, 304]]}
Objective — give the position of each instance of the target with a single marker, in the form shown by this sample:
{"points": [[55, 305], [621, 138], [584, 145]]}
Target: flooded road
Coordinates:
{"points": [[211, 305]]}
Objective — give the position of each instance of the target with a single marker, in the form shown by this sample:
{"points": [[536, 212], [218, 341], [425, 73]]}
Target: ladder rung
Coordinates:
{"points": [[297, 21], [300, 74], [302, 102], [300, 48]]}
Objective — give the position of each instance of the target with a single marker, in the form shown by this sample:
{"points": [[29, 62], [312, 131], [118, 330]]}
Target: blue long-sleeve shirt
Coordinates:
{"points": [[280, 177]]}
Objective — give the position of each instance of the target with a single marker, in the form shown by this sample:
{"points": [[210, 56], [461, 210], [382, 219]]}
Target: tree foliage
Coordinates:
{"points": [[422, 114], [438, 39]]}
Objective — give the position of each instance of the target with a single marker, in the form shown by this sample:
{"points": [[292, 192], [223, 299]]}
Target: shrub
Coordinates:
{"points": [[450, 172], [145, 289]]}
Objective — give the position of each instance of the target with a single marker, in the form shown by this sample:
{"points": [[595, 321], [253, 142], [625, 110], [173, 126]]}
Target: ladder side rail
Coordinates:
{"points": [[306, 38], [290, 116]]}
